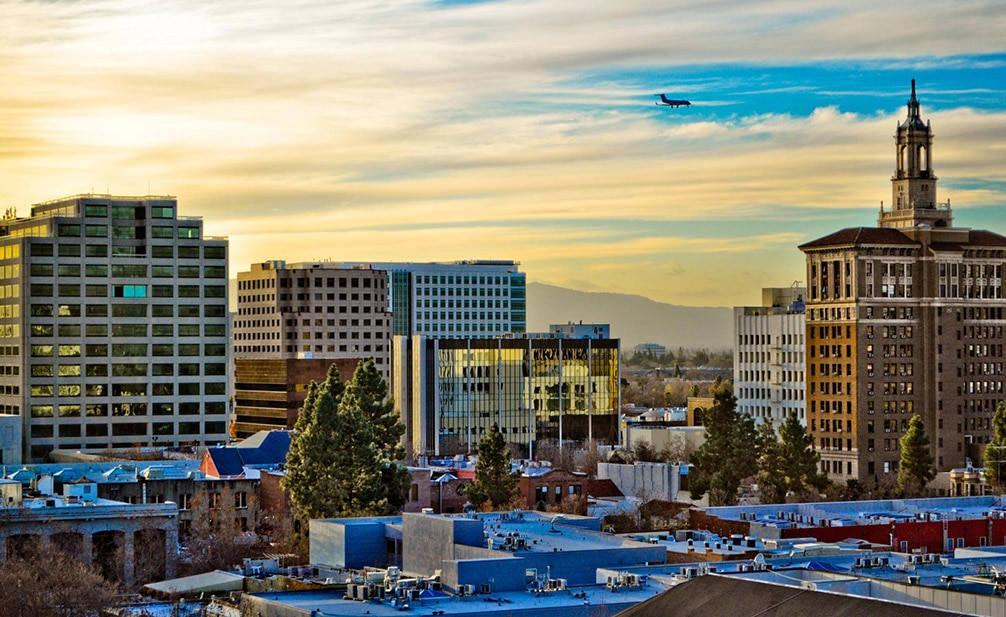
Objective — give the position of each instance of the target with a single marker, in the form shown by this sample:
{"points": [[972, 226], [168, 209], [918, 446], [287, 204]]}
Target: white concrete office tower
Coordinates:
{"points": [[113, 325], [457, 299], [769, 360]]}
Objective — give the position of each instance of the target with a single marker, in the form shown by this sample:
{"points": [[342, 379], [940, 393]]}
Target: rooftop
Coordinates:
{"points": [[848, 513]]}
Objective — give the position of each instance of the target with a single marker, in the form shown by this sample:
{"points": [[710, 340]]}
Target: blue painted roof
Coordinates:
{"points": [[262, 448]]}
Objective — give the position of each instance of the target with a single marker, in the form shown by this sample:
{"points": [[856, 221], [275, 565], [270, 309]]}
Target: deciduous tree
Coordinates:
{"points": [[51, 583]]}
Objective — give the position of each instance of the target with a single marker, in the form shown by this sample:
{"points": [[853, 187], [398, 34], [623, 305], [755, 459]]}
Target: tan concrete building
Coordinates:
{"points": [[312, 310], [904, 318]]}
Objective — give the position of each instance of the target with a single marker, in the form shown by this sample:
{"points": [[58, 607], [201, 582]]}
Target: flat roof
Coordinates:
{"points": [[588, 602]]}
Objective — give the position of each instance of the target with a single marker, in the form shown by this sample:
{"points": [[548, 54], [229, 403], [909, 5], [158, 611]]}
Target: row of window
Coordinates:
{"points": [[68, 290], [129, 212], [157, 251], [128, 232], [185, 369], [128, 329], [73, 410], [125, 270], [122, 350], [126, 389], [128, 310]]}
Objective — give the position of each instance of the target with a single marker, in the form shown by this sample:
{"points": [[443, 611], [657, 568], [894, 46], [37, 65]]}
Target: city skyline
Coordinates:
{"points": [[508, 130]]}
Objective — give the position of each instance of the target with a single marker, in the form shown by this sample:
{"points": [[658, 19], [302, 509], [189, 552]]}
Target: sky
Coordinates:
{"points": [[513, 129]]}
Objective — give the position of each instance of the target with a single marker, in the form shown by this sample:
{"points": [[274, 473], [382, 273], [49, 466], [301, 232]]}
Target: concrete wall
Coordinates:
{"points": [[430, 540], [10, 440], [644, 480], [344, 544]]}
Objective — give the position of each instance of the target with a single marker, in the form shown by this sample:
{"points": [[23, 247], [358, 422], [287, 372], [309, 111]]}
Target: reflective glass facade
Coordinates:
{"points": [[535, 389]]}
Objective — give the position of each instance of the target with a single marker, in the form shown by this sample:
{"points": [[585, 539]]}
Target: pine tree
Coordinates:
{"points": [[995, 451], [339, 463], [772, 483], [916, 467], [729, 454], [369, 393], [800, 461], [495, 485]]}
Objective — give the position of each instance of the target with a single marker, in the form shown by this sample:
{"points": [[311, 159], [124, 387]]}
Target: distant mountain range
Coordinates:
{"points": [[634, 319]]}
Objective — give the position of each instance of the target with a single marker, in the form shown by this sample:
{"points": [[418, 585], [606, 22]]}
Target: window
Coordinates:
{"points": [[162, 212], [40, 351], [129, 329], [189, 272], [69, 351], [41, 270], [129, 291], [188, 291], [96, 291], [96, 351], [68, 230], [159, 231], [188, 233], [95, 210], [163, 271], [96, 231], [124, 212], [41, 250], [188, 252], [188, 330], [188, 310], [129, 270], [69, 291], [162, 291], [214, 252], [120, 350], [97, 310], [96, 250], [69, 269], [129, 310], [163, 310], [69, 250], [163, 329]]}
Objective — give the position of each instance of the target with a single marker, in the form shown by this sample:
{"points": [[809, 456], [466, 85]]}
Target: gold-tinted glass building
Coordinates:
{"points": [[450, 391]]}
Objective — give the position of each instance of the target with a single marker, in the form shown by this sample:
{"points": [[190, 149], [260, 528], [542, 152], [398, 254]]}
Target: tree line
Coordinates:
{"points": [[785, 465]]}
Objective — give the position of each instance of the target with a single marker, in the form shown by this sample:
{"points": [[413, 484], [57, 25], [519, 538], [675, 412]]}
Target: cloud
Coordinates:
{"points": [[368, 130]]}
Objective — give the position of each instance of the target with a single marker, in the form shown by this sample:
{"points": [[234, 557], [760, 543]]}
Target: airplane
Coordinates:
{"points": [[673, 103]]}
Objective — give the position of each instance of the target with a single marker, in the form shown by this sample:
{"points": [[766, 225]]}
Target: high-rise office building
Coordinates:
{"points": [[113, 322], [458, 299], [904, 318], [769, 356], [312, 310], [450, 391], [293, 322]]}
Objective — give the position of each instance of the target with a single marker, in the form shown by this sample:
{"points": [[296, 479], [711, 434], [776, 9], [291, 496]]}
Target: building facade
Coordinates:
{"points": [[450, 391], [268, 393], [113, 325], [458, 299], [769, 358], [312, 310], [580, 330], [904, 318]]}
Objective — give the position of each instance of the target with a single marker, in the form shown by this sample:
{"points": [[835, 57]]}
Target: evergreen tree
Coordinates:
{"points": [[995, 451], [369, 392], [916, 467], [341, 461], [772, 483], [729, 454], [495, 485], [800, 461]]}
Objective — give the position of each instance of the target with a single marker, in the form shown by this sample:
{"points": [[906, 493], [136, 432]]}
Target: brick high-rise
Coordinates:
{"points": [[903, 318]]}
